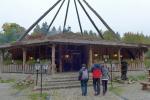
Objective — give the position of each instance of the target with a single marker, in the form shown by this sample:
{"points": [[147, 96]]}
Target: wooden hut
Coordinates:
{"points": [[66, 52]]}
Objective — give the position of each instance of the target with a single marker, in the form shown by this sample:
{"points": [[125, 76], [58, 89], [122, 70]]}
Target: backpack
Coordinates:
{"points": [[85, 74], [97, 73]]}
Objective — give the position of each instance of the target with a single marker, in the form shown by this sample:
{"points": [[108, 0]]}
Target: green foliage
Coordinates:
{"points": [[18, 61], [147, 63], [7, 62], [136, 38], [20, 85], [7, 81], [31, 61], [11, 32], [37, 96], [116, 90], [110, 36], [137, 78], [147, 54], [45, 61], [43, 29]]}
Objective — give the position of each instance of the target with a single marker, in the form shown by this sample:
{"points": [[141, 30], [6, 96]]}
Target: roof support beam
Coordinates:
{"points": [[78, 16], [37, 21], [100, 34], [101, 19], [55, 15], [66, 15]]}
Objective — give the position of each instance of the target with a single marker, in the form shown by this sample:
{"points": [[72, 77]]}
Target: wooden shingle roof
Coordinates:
{"points": [[71, 38]]}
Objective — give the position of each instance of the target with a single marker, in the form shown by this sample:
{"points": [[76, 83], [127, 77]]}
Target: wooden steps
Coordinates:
{"points": [[61, 81]]}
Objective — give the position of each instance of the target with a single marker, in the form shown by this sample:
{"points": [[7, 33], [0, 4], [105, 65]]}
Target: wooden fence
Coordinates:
{"points": [[131, 67], [29, 69], [18, 68]]}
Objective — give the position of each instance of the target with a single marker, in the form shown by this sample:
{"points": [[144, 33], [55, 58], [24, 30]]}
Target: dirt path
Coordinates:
{"points": [[7, 93], [134, 92]]}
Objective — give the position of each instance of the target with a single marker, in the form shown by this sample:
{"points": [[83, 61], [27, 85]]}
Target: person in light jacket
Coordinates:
{"points": [[105, 78]]}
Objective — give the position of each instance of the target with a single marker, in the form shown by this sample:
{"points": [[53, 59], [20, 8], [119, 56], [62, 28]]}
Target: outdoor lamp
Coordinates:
{"points": [[37, 66], [45, 66]]}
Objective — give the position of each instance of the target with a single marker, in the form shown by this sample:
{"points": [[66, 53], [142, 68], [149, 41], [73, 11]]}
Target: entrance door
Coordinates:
{"points": [[76, 61]]}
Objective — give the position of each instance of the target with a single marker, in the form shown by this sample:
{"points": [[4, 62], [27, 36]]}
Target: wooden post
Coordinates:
{"points": [[24, 58], [143, 56], [142, 59], [119, 55], [1, 60], [53, 59], [119, 58], [90, 56], [60, 58]]}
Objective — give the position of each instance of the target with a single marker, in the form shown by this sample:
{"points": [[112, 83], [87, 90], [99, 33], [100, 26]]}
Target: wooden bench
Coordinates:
{"points": [[145, 85]]}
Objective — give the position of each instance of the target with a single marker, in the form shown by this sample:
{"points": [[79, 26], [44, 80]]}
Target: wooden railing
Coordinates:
{"points": [[12, 68], [18, 68], [134, 66]]}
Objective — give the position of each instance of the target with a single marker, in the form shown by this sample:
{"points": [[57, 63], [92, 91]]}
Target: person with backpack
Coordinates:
{"points": [[105, 78], [97, 74], [84, 77]]}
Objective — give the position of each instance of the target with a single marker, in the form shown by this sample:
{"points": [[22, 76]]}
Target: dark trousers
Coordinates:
{"points": [[104, 84], [96, 85], [124, 75], [84, 87]]}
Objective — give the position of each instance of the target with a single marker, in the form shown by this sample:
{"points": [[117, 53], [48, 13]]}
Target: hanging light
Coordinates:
{"points": [[96, 55], [115, 55], [67, 56]]}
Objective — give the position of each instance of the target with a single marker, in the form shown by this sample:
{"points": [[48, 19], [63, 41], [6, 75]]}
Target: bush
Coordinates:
{"points": [[33, 61], [7, 62], [147, 63], [18, 62]]}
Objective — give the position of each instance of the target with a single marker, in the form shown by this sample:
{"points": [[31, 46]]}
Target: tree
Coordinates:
{"points": [[11, 32], [110, 36], [44, 28], [131, 37], [37, 29]]}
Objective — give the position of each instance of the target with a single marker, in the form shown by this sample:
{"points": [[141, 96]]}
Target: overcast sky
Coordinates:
{"points": [[121, 15]]}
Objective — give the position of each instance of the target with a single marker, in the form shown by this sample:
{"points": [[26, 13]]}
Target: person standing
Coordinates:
{"points": [[124, 69], [105, 78], [97, 74], [84, 77]]}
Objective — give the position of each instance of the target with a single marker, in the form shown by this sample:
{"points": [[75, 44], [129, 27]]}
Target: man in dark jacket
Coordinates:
{"points": [[124, 69]]}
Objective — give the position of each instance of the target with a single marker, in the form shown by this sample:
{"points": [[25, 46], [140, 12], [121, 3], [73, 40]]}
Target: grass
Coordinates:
{"points": [[137, 78], [116, 90], [7, 81], [21, 87], [147, 63], [37, 96]]}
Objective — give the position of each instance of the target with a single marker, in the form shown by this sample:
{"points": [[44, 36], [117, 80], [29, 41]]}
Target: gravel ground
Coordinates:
{"points": [[7, 93], [134, 92], [75, 94], [130, 92]]}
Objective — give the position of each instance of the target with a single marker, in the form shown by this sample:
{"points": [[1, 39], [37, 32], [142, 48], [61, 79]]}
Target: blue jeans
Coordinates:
{"points": [[84, 87], [96, 85]]}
